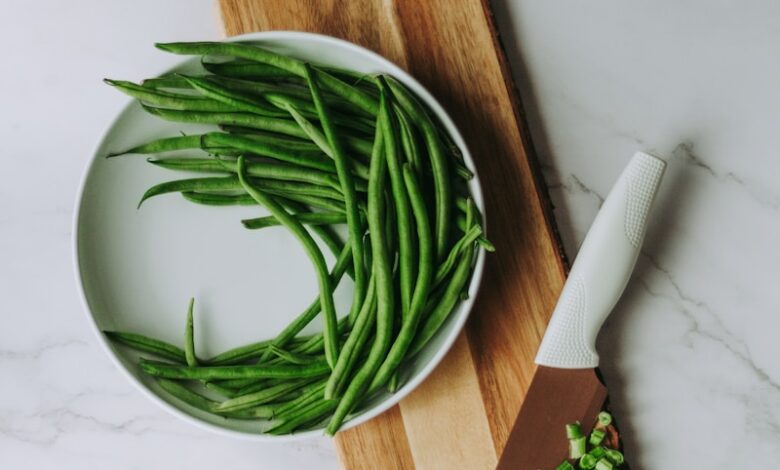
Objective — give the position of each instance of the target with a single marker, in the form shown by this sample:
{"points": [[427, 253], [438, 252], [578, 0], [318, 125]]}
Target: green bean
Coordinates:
{"points": [[309, 110], [257, 71], [358, 97], [285, 172], [170, 100], [262, 384], [462, 171], [324, 232], [384, 278], [291, 143], [344, 172], [300, 322], [308, 218], [174, 371], [445, 268], [421, 288], [219, 389], [299, 97], [315, 343], [189, 337], [243, 69], [235, 100], [227, 183], [261, 397], [270, 124], [261, 88], [198, 165], [148, 345], [258, 412], [441, 181], [314, 253], [291, 357], [402, 207], [322, 142], [409, 140], [165, 81], [443, 307], [395, 382], [239, 354], [359, 146], [167, 144], [309, 200], [466, 204], [307, 414], [279, 152], [231, 183], [187, 396], [209, 199], [331, 240], [217, 199], [355, 343], [292, 407], [240, 384]]}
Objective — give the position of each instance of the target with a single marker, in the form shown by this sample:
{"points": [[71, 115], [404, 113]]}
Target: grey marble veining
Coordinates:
{"points": [[691, 354]]}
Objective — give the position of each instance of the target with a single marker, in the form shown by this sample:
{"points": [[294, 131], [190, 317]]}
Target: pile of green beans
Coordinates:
{"points": [[316, 147]]}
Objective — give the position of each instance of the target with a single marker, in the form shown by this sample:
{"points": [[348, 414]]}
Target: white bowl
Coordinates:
{"points": [[136, 269]]}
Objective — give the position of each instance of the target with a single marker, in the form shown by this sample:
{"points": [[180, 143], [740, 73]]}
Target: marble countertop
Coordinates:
{"points": [[691, 354]]}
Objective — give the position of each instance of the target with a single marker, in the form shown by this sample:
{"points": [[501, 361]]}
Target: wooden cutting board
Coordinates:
{"points": [[460, 417]]}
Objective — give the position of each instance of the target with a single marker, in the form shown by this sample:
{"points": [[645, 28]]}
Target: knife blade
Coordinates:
{"points": [[566, 386]]}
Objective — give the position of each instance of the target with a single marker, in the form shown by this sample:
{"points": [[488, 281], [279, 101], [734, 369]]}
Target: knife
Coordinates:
{"points": [[566, 386]]}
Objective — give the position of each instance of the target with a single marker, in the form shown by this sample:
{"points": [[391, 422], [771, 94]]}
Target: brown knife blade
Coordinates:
{"points": [[555, 398]]}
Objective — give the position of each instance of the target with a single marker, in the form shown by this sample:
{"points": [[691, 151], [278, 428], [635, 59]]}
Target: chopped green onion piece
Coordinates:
{"points": [[588, 461], [615, 456], [597, 436], [565, 466], [604, 464], [577, 447], [598, 452], [573, 430], [605, 419]]}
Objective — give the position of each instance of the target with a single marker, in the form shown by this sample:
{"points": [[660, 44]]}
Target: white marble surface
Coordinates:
{"points": [[692, 352]]}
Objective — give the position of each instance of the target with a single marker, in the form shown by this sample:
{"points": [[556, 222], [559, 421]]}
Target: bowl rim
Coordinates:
{"points": [[466, 306]]}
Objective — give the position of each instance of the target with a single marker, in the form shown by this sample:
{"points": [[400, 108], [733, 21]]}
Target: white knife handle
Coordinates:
{"points": [[602, 267]]}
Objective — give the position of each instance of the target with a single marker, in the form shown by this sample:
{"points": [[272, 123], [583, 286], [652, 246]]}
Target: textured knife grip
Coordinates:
{"points": [[602, 267]]}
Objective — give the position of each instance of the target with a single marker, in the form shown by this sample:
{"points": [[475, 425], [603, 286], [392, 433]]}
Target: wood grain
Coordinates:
{"points": [[461, 416]]}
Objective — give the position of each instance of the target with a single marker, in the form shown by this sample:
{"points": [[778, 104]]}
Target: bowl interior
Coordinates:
{"points": [[139, 267]]}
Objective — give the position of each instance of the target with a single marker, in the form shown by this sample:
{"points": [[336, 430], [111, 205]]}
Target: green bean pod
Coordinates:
{"points": [[231, 183], [235, 100], [255, 121], [356, 96], [308, 414], [314, 253], [441, 181], [422, 286], [353, 347], [261, 397], [344, 170], [443, 307], [174, 371], [306, 218], [300, 322], [148, 345], [189, 337], [406, 248], [246, 69], [384, 280], [164, 99], [211, 199]]}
